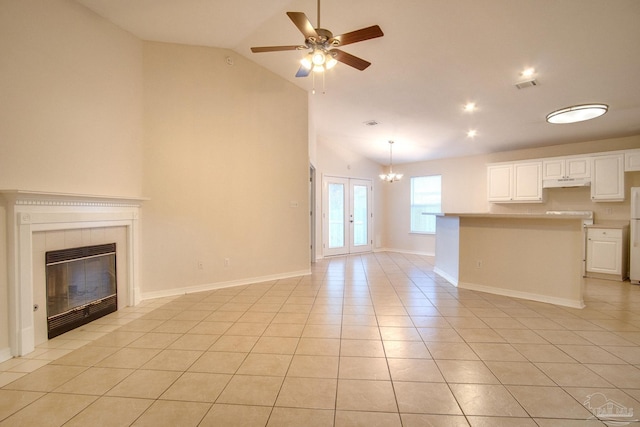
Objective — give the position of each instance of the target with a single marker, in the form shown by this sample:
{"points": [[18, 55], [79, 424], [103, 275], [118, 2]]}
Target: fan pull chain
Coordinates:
{"points": [[323, 73], [313, 83]]}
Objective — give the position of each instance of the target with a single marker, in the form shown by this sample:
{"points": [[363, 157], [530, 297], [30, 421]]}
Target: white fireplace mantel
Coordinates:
{"points": [[29, 212]]}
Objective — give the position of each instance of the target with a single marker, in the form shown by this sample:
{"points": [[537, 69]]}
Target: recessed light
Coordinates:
{"points": [[528, 72], [470, 106], [472, 133]]}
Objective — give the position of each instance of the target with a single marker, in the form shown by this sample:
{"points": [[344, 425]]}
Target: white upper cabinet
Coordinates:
{"points": [[515, 182], [563, 168], [607, 184], [632, 161], [499, 183], [527, 182]]}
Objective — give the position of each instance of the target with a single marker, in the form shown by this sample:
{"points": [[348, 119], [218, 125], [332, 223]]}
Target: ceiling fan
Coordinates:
{"points": [[322, 45]]}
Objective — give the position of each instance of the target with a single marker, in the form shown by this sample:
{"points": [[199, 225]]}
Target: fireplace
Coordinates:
{"points": [[38, 222], [81, 286]]}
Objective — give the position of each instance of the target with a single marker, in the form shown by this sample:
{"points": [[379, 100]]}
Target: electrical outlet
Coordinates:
{"points": [[200, 265], [479, 264], [227, 262], [609, 211]]}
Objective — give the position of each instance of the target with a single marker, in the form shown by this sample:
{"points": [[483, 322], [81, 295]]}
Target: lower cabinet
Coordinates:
{"points": [[607, 252]]}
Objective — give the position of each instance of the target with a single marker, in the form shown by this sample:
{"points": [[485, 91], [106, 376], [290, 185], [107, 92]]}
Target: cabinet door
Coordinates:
{"points": [[527, 181], [604, 256], [553, 169], [607, 184], [578, 168], [632, 161], [499, 183]]}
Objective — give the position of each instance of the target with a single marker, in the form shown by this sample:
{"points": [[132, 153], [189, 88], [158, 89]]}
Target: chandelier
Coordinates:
{"points": [[391, 176]]}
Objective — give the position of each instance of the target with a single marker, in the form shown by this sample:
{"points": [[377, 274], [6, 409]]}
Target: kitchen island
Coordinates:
{"points": [[533, 256]]}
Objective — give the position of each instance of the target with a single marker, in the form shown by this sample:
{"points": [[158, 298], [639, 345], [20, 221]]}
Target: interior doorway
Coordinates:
{"points": [[346, 215]]}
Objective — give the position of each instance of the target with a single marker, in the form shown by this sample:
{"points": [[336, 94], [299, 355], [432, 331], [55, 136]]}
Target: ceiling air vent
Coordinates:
{"points": [[527, 83]]}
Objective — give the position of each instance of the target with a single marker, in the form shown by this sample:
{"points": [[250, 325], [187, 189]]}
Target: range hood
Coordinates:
{"points": [[566, 182]]}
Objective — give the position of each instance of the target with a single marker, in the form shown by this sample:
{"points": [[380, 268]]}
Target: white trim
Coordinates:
{"points": [[220, 285], [404, 251], [446, 276], [577, 303]]}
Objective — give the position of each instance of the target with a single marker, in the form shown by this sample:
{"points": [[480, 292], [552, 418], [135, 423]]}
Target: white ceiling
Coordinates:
{"points": [[435, 56]]}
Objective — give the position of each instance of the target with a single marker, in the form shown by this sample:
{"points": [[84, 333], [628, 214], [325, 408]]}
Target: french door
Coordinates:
{"points": [[346, 215]]}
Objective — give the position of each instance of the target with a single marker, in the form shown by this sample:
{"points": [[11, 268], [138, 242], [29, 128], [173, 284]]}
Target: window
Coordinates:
{"points": [[425, 203]]}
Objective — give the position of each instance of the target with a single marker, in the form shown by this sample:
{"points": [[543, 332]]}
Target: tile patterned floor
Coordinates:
{"points": [[368, 340]]}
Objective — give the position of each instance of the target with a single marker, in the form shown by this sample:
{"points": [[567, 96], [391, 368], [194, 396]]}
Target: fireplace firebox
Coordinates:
{"points": [[81, 286]]}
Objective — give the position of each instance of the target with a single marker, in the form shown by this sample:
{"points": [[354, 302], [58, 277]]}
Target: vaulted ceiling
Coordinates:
{"points": [[435, 57]]}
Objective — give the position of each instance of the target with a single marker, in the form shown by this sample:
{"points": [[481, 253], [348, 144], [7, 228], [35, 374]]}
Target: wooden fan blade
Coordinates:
{"points": [[303, 72], [302, 22], [275, 48], [353, 61], [358, 35]]}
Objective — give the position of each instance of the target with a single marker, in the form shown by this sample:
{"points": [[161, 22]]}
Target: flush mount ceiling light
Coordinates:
{"points": [[391, 177], [470, 107], [577, 113], [472, 133]]}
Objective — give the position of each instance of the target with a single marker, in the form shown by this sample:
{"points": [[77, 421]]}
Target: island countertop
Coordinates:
{"points": [[548, 215]]}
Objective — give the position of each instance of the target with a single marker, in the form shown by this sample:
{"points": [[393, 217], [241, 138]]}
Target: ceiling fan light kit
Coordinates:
{"points": [[577, 113], [322, 45], [318, 61]]}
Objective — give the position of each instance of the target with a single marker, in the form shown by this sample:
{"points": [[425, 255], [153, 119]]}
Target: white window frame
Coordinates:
{"points": [[430, 209]]}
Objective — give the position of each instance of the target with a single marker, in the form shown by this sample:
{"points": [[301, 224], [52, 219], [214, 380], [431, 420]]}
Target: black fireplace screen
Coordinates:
{"points": [[81, 286]]}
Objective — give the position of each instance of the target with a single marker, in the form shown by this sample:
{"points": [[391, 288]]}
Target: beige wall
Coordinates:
{"points": [[71, 110], [544, 265], [464, 189], [225, 158]]}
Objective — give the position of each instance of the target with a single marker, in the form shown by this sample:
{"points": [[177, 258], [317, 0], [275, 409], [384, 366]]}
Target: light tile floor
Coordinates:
{"points": [[368, 340]]}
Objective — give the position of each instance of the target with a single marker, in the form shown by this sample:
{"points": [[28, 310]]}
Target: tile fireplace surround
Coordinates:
{"points": [[29, 212]]}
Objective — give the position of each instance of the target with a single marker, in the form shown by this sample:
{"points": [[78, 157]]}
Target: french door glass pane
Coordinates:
{"points": [[360, 215], [336, 215]]}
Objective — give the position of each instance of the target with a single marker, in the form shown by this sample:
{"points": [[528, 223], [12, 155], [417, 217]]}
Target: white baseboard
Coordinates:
{"points": [[446, 276], [565, 302], [220, 285], [378, 250], [5, 354], [404, 251]]}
